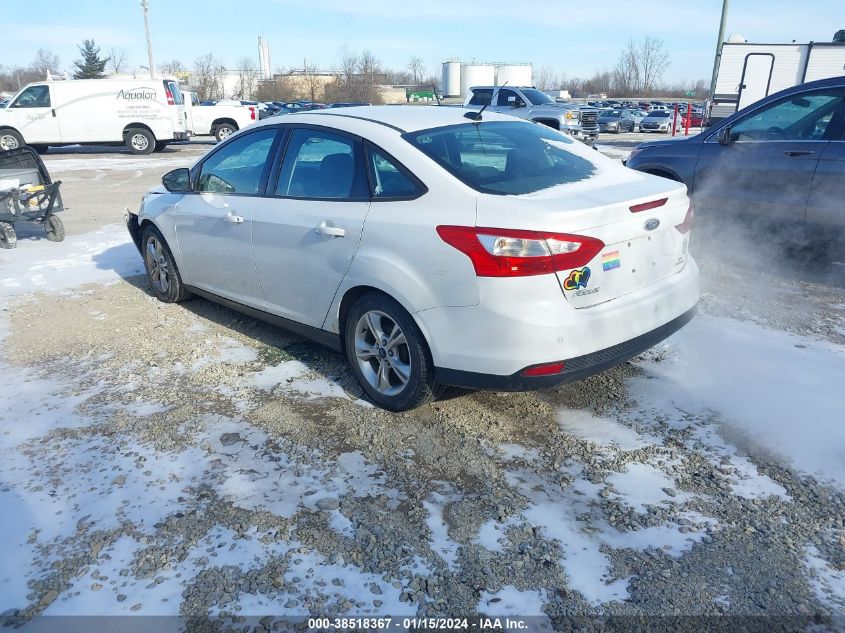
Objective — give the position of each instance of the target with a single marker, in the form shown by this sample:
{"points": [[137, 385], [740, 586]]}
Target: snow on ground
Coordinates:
{"points": [[827, 582], [119, 162], [641, 485], [38, 265], [601, 431], [510, 601], [783, 391]]}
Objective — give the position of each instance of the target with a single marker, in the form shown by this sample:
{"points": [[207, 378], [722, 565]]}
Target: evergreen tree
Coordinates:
{"points": [[91, 66]]}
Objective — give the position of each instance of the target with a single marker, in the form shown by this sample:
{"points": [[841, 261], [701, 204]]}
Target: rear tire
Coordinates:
{"points": [[162, 272], [10, 139], [55, 228], [140, 140], [388, 354], [224, 131], [160, 146], [8, 237], [41, 149]]}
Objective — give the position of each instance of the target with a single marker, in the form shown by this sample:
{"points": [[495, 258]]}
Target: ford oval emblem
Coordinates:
{"points": [[651, 224]]}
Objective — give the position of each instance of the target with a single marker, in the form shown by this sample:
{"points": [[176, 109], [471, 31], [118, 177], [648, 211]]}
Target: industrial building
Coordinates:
{"points": [[458, 76]]}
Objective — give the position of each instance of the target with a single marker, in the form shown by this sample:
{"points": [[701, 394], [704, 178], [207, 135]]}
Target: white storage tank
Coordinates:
{"points": [[451, 78], [514, 75], [476, 75]]}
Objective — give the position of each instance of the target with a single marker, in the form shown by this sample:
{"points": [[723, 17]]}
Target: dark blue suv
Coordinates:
{"points": [[781, 159]]}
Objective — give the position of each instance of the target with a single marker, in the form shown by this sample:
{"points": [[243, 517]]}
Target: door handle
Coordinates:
{"points": [[234, 219], [799, 152], [328, 229], [54, 112]]}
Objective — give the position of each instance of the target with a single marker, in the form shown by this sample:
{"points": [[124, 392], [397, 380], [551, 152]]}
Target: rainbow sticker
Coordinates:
{"points": [[610, 261]]}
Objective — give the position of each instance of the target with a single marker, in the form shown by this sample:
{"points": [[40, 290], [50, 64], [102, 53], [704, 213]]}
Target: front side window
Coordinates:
{"points": [[797, 118], [481, 97], [535, 97], [388, 179], [33, 97], [238, 166], [323, 165], [504, 158]]}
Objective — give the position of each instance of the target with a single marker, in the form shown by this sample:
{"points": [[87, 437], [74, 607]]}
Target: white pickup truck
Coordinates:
{"points": [[220, 121]]}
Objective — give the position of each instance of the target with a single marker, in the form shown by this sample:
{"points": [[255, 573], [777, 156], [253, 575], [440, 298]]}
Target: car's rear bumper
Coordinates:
{"points": [[526, 321], [574, 368]]}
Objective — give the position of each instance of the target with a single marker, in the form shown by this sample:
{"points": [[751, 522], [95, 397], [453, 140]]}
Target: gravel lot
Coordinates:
{"points": [[186, 460]]}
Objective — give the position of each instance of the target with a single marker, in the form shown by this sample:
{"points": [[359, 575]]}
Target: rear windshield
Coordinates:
{"points": [[503, 158]]}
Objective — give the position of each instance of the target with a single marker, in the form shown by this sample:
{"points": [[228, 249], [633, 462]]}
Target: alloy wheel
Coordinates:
{"points": [[382, 353], [157, 264]]}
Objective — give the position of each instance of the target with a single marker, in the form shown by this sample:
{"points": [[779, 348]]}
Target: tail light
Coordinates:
{"points": [[252, 113], [645, 206], [515, 253], [689, 219], [169, 96]]}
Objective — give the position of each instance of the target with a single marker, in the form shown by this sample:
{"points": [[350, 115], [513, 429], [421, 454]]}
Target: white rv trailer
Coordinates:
{"points": [[749, 72]]}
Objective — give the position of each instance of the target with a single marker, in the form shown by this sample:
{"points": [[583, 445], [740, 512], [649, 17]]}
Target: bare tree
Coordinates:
{"points": [[117, 60], [545, 78], [357, 78], [45, 62], [417, 69], [173, 67], [627, 75], [207, 77], [247, 77], [653, 61]]}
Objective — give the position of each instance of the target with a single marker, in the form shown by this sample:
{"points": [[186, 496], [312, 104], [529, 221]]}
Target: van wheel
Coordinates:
{"points": [[9, 139], [388, 354], [224, 131], [55, 228], [161, 268], [8, 237], [140, 141], [160, 145]]}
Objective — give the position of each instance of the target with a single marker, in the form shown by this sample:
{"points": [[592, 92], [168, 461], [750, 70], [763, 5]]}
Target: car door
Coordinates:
{"points": [[35, 115], [214, 222], [506, 101], [307, 229], [825, 207], [766, 166]]}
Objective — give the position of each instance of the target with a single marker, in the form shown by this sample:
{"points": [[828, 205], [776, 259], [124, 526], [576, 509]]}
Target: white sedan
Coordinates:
{"points": [[430, 246]]}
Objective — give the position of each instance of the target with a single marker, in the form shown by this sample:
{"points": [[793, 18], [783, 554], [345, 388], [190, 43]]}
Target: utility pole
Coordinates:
{"points": [[145, 5], [718, 59]]}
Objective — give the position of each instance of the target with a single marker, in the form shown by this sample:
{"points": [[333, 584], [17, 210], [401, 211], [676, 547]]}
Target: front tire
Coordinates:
{"points": [[55, 228], [388, 354], [10, 139], [162, 272], [140, 140]]}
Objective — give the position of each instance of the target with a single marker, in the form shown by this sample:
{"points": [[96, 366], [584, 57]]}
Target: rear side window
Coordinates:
{"points": [[33, 97], [481, 97], [322, 165], [237, 167], [503, 158], [388, 179]]}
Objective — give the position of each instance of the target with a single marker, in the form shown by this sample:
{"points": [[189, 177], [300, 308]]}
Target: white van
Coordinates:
{"points": [[143, 114]]}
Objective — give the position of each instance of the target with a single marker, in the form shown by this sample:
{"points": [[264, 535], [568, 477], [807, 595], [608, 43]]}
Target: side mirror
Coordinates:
{"points": [[177, 181], [725, 135]]}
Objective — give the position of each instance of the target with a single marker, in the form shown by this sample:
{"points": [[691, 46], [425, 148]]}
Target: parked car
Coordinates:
{"points": [[781, 160], [616, 121], [142, 114], [638, 116], [529, 103], [657, 121], [221, 120], [431, 248]]}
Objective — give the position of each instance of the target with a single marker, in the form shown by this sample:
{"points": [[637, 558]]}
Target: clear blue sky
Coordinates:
{"points": [[573, 37]]}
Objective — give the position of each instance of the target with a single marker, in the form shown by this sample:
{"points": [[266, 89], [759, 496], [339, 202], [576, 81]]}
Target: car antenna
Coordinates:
{"points": [[476, 116]]}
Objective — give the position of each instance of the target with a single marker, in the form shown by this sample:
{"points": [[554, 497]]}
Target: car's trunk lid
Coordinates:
{"points": [[641, 248]]}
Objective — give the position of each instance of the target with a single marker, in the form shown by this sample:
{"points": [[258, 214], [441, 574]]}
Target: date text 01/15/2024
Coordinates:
{"points": [[389, 623]]}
